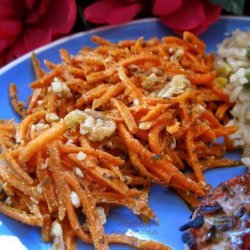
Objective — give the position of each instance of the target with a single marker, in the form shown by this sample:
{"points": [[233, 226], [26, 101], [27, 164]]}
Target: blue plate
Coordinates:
{"points": [[169, 208]]}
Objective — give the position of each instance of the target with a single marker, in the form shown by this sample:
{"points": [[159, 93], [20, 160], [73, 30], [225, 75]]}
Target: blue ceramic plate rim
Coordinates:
{"points": [[121, 219]]}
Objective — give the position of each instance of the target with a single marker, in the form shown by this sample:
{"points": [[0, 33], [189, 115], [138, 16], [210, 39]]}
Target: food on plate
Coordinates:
{"points": [[102, 126], [222, 220], [233, 66]]}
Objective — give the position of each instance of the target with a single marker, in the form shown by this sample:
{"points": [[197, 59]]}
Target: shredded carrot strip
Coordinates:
{"points": [[221, 111], [17, 105], [42, 140], [48, 188], [126, 115], [9, 177], [95, 152], [112, 91], [105, 176], [33, 100], [154, 113], [21, 216], [95, 226], [74, 222], [45, 80], [69, 236], [28, 120], [134, 91], [14, 165], [55, 167], [193, 157], [92, 94], [141, 168], [65, 55], [171, 172]]}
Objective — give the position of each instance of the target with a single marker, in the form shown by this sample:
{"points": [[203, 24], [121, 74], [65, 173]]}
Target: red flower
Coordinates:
{"points": [[28, 24], [191, 15], [112, 11], [179, 15]]}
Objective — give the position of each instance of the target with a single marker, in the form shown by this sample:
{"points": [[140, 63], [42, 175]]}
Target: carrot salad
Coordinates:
{"points": [[104, 125]]}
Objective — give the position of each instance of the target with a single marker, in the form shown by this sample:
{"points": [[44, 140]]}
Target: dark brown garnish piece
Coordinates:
{"points": [[211, 233], [223, 223], [228, 189], [189, 239], [197, 222], [240, 212], [207, 209]]}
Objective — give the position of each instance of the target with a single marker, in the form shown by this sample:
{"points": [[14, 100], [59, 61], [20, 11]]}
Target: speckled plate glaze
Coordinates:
{"points": [[171, 211]]}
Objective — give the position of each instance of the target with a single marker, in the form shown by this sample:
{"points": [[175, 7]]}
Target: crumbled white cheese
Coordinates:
{"points": [[39, 188], [178, 54], [8, 201], [18, 138], [89, 122], [149, 81], [97, 126], [81, 156], [101, 215], [40, 102], [69, 142], [135, 102], [60, 88], [75, 117], [83, 131], [125, 179], [157, 71], [172, 142], [171, 50], [176, 86], [75, 199], [197, 110], [51, 117], [57, 234], [45, 164], [39, 126], [79, 172], [92, 123], [145, 125]]}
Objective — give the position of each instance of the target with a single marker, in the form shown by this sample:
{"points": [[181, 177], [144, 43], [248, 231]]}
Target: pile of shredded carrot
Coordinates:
{"points": [[102, 126]]}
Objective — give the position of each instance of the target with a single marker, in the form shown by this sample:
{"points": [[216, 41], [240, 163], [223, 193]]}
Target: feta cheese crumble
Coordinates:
{"points": [[75, 199], [81, 156]]}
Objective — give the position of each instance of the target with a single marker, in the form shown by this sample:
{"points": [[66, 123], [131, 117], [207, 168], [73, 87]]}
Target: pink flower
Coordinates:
{"points": [[112, 11], [28, 24], [191, 15]]}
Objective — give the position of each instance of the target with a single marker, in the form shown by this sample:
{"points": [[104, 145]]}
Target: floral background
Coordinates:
{"points": [[28, 24]]}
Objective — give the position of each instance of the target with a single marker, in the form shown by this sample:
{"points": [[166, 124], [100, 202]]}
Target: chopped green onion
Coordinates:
{"points": [[221, 81], [222, 68]]}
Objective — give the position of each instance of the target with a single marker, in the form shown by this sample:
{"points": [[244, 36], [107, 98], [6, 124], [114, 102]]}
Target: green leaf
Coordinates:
{"points": [[233, 6]]}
